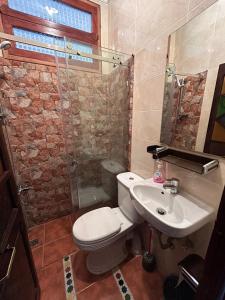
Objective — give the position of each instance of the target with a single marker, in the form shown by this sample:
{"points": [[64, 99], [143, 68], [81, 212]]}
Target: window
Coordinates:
{"points": [[49, 39], [50, 21], [54, 11]]}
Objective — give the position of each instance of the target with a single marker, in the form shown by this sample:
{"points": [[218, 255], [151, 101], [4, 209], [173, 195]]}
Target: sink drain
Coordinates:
{"points": [[161, 211]]}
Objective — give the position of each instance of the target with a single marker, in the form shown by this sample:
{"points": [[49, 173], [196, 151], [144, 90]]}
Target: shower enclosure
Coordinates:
{"points": [[68, 126], [96, 114], [183, 95]]}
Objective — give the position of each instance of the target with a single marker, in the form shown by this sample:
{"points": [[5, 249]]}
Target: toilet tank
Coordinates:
{"points": [[110, 169], [124, 200]]}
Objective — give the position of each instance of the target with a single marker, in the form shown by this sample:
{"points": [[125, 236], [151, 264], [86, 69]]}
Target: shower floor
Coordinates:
{"points": [[91, 195]]}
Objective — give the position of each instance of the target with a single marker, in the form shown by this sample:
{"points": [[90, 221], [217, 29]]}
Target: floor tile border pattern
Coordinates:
{"points": [[70, 286], [68, 278], [122, 285]]}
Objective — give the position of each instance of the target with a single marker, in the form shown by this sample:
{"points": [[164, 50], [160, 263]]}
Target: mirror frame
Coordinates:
{"points": [[215, 147]]}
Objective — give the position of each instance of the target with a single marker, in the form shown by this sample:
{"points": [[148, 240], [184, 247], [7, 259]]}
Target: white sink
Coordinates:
{"points": [[183, 214]]}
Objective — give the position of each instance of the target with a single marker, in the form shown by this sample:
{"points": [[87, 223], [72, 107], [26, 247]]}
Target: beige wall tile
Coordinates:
{"points": [[104, 26], [200, 3], [147, 125], [207, 188], [128, 7], [152, 22], [141, 162], [149, 94], [196, 7]]}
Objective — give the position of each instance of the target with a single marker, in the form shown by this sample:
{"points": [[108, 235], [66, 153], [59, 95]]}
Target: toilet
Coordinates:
{"points": [[103, 232], [109, 170]]}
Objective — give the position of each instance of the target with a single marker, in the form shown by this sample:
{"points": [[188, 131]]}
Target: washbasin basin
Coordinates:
{"points": [[176, 215]]}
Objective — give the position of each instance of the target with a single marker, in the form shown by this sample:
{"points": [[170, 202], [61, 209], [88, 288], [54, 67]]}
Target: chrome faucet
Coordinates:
{"points": [[172, 184]]}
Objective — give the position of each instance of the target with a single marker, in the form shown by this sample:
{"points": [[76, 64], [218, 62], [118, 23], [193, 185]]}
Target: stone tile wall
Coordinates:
{"points": [[187, 119], [45, 133], [30, 97], [182, 110], [97, 114]]}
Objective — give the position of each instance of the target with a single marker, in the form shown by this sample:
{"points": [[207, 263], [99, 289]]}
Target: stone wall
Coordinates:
{"points": [[97, 113], [182, 111], [30, 97], [46, 134]]}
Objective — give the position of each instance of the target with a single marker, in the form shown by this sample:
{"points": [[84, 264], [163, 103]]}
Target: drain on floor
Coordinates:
{"points": [[161, 211], [34, 242]]}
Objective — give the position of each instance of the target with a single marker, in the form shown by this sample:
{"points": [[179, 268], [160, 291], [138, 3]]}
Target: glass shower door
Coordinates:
{"points": [[95, 110], [94, 137]]}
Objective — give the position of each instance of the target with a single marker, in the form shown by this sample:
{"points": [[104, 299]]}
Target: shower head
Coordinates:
{"points": [[170, 69], [4, 45], [180, 82]]}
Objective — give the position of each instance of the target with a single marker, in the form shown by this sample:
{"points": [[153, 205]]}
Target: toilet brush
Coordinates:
{"points": [[148, 259]]}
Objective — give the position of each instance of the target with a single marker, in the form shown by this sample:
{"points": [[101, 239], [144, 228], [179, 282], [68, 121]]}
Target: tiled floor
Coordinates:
{"points": [[55, 241]]}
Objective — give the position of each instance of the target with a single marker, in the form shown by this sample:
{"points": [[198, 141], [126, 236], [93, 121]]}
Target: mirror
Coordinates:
{"points": [[215, 137], [193, 115]]}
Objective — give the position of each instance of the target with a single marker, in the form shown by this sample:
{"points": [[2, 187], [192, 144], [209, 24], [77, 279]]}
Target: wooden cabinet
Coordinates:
{"points": [[18, 278], [20, 283]]}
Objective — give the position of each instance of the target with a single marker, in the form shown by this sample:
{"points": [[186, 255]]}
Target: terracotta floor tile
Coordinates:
{"points": [[51, 281], [74, 216], [37, 232], [143, 285], [105, 289], [129, 257], [57, 228], [56, 250], [82, 277], [38, 257]]}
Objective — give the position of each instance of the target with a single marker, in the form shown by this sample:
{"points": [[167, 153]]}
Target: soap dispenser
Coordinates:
{"points": [[159, 171]]}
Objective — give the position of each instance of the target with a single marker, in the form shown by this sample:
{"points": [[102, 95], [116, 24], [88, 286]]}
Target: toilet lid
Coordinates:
{"points": [[96, 225], [112, 166]]}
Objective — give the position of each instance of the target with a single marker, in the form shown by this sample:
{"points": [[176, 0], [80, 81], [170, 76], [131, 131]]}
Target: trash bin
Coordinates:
{"points": [[173, 292], [191, 268]]}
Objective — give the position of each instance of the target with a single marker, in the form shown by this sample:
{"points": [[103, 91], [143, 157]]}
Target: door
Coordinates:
{"points": [[17, 286], [18, 279], [211, 286]]}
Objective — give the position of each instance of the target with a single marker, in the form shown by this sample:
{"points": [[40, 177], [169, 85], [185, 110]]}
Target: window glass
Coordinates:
{"points": [[55, 11], [49, 39]]}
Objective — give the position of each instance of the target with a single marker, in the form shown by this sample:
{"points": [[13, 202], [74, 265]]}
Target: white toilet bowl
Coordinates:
{"points": [[103, 231]]}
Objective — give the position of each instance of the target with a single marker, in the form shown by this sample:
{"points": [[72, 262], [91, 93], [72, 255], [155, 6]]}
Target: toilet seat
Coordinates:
{"points": [[125, 225], [96, 225]]}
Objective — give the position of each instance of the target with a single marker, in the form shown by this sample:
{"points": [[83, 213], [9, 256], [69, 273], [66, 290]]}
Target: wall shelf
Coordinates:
{"points": [[200, 164]]}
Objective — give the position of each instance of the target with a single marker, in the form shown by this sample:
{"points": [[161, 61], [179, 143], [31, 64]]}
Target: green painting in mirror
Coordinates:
{"points": [[219, 125]]}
